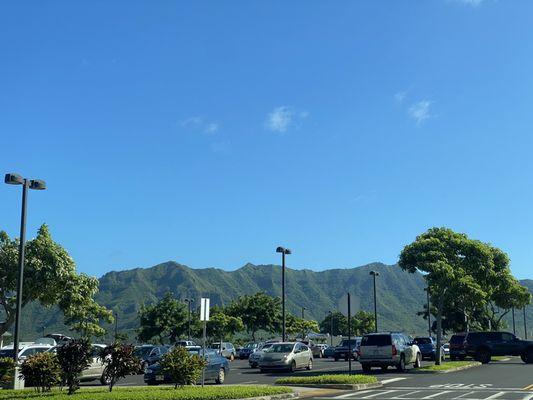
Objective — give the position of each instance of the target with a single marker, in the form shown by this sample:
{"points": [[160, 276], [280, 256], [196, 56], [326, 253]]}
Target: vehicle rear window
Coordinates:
{"points": [[422, 341], [376, 340], [346, 343], [457, 339]]}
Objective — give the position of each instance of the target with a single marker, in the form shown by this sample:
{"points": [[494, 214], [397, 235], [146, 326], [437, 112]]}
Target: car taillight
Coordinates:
{"points": [[394, 351]]}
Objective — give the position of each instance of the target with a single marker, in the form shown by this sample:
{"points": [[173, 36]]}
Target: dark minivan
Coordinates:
{"points": [[457, 347]]}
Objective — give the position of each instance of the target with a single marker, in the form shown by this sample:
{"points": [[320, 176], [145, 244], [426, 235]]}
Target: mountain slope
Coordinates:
{"points": [[400, 294]]}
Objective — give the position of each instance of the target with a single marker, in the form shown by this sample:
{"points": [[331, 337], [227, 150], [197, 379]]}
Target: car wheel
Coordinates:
{"points": [[418, 361], [336, 358], [462, 358], [293, 366], [483, 356], [221, 377], [529, 356], [310, 365], [253, 365], [262, 370], [366, 368], [151, 383], [384, 368], [453, 358], [401, 366]]}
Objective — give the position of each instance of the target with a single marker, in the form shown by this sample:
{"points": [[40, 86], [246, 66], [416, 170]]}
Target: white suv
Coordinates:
{"points": [[388, 349]]}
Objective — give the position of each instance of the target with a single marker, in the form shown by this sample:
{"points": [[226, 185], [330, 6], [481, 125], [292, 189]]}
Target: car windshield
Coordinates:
{"points": [[7, 353], [346, 343], [457, 339], [280, 348], [250, 346], [422, 340], [376, 340], [142, 351]]}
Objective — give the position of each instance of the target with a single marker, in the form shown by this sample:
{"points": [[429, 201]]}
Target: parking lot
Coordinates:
{"points": [[502, 380]]}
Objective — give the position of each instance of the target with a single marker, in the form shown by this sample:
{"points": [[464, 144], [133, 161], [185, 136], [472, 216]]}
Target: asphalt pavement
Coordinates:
{"points": [[502, 380]]}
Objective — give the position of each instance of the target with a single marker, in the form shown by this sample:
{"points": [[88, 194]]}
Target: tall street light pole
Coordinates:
{"points": [[116, 325], [35, 184], [303, 318], [429, 313], [374, 274], [189, 301], [283, 252], [330, 328], [514, 324], [525, 324]]}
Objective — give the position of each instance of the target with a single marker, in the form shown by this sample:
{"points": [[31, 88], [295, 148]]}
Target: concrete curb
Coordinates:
{"points": [[339, 386], [293, 395], [474, 364]]}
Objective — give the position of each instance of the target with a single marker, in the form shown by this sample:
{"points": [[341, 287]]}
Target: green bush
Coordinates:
{"points": [[328, 379], [183, 368], [42, 371], [151, 393], [7, 367], [119, 361], [73, 357]]}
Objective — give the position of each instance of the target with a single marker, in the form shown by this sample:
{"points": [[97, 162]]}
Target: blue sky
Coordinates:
{"points": [[211, 132]]}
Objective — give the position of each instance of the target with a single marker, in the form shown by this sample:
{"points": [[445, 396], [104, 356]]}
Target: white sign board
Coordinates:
{"points": [[204, 309]]}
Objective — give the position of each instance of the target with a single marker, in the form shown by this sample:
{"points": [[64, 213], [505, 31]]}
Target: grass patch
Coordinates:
{"points": [[448, 365], [499, 358], [151, 393], [325, 379]]}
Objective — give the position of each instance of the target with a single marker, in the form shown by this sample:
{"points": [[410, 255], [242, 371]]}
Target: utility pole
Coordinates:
{"points": [[349, 336]]}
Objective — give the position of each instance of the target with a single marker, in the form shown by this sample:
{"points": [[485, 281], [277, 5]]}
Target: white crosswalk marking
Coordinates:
{"points": [[495, 396], [464, 395], [528, 397], [406, 395], [351, 394], [435, 394], [385, 381], [379, 394]]}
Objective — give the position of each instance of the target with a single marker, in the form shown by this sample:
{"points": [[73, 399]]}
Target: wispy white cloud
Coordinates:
{"points": [[472, 3], [200, 124], [282, 118], [420, 111], [400, 96]]}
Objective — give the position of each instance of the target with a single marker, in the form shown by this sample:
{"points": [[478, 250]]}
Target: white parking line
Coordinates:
{"points": [[385, 381], [436, 394], [528, 397], [401, 397], [463, 395], [344, 396], [379, 394], [495, 395]]}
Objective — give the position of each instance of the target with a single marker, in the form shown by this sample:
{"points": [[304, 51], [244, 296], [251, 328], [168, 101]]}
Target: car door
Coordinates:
{"points": [[508, 345]]}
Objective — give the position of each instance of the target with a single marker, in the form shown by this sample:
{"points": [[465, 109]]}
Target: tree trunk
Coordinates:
{"points": [[439, 330]]}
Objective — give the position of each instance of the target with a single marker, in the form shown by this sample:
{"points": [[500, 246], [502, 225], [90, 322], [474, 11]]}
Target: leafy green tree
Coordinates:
{"points": [[335, 320], [41, 371], [119, 361], [459, 269], [299, 326], [74, 357], [257, 311], [222, 325], [362, 322], [184, 368], [50, 278], [163, 321], [7, 369]]}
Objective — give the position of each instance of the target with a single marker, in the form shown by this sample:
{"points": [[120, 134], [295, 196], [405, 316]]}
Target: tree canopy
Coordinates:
{"points": [[163, 321], [361, 322], [257, 311], [50, 278], [462, 274]]}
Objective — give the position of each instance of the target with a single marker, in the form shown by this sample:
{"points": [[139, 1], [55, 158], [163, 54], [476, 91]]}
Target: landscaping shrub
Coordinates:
{"points": [[42, 371], [328, 379], [7, 367], [119, 361], [151, 393], [184, 368], [73, 357]]}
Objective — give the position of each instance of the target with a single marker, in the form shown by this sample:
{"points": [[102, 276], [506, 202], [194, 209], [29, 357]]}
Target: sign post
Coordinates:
{"points": [[204, 316]]}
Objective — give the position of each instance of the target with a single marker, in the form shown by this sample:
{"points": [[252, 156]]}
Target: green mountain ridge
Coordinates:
{"points": [[400, 294]]}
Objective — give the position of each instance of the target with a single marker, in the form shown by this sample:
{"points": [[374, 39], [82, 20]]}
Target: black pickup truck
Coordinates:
{"points": [[483, 345]]}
